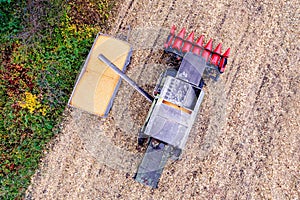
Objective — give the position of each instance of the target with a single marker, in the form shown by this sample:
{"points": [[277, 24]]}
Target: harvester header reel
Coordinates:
{"points": [[178, 45]]}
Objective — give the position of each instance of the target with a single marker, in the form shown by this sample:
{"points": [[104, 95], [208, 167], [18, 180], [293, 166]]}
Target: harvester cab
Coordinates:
{"points": [[177, 96]]}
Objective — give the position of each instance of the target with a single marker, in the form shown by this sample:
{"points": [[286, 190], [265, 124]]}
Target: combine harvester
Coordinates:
{"points": [[177, 95]]}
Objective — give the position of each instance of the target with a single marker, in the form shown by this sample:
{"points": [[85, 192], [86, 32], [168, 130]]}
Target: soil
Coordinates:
{"points": [[245, 141]]}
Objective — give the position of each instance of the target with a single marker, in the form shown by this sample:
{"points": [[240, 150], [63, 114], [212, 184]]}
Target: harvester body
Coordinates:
{"points": [[177, 102], [171, 117]]}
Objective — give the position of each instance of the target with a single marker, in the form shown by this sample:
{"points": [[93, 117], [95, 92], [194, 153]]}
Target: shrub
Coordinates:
{"points": [[43, 48]]}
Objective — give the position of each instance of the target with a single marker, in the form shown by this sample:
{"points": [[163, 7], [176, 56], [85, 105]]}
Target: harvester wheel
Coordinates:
{"points": [[171, 72], [176, 154], [141, 141], [142, 138]]}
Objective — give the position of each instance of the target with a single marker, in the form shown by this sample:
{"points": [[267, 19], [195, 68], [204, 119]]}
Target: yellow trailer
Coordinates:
{"points": [[97, 84]]}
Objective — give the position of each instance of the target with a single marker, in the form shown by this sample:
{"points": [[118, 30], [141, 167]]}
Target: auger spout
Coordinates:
{"points": [[125, 77]]}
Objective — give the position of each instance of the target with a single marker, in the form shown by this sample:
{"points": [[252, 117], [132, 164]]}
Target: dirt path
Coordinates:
{"points": [[245, 143]]}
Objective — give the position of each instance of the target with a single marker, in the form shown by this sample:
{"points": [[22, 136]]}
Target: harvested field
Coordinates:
{"points": [[245, 143]]}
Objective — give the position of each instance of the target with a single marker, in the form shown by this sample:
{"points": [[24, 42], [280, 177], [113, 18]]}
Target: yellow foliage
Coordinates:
{"points": [[31, 103]]}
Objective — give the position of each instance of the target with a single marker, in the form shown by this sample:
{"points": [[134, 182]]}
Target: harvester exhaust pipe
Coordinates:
{"points": [[125, 77]]}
